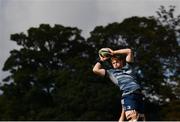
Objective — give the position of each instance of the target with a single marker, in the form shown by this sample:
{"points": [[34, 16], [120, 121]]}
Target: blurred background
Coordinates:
{"points": [[48, 49]]}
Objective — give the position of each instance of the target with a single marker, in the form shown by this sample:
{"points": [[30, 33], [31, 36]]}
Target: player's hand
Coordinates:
{"points": [[112, 52], [103, 58]]}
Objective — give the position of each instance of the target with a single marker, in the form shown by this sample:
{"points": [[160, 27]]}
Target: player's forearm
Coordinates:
{"points": [[98, 69], [127, 52], [122, 51], [122, 117]]}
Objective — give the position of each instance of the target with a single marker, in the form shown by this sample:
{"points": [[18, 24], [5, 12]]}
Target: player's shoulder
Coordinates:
{"points": [[131, 63]]}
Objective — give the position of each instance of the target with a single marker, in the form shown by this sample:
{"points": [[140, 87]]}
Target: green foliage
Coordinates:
{"points": [[51, 74], [170, 112], [151, 45]]}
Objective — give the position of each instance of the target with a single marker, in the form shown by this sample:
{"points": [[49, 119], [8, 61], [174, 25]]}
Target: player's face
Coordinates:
{"points": [[117, 63]]}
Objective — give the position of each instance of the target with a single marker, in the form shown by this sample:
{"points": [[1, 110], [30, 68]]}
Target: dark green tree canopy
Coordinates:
{"points": [[154, 46], [46, 55]]}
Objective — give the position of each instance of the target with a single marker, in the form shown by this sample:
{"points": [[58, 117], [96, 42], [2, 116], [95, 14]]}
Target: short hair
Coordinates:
{"points": [[119, 57], [114, 58]]}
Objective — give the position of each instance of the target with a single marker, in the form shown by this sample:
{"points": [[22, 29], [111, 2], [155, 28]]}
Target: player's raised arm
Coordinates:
{"points": [[97, 69], [128, 52], [104, 54]]}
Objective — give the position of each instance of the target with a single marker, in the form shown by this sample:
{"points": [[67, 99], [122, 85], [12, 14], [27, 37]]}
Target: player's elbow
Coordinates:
{"points": [[95, 70], [129, 50]]}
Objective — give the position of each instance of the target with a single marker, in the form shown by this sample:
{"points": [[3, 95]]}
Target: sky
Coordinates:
{"points": [[18, 16]]}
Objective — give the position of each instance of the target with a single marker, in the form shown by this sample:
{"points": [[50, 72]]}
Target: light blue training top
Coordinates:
{"points": [[124, 78]]}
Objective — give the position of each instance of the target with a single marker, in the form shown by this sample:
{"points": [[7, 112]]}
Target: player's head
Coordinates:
{"points": [[117, 62]]}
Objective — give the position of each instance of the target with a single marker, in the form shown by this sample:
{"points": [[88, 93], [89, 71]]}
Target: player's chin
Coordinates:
{"points": [[115, 67]]}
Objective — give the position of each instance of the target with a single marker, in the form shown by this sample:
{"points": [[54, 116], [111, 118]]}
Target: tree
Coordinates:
{"points": [[148, 40], [156, 52], [34, 68], [51, 78], [167, 19], [51, 73]]}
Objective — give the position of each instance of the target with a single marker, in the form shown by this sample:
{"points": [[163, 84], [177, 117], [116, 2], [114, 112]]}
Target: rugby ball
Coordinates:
{"points": [[104, 52]]}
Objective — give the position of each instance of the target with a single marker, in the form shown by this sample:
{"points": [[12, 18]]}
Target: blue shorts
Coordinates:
{"points": [[133, 102]]}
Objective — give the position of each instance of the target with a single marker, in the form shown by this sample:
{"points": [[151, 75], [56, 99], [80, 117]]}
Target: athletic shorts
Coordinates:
{"points": [[133, 102]]}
